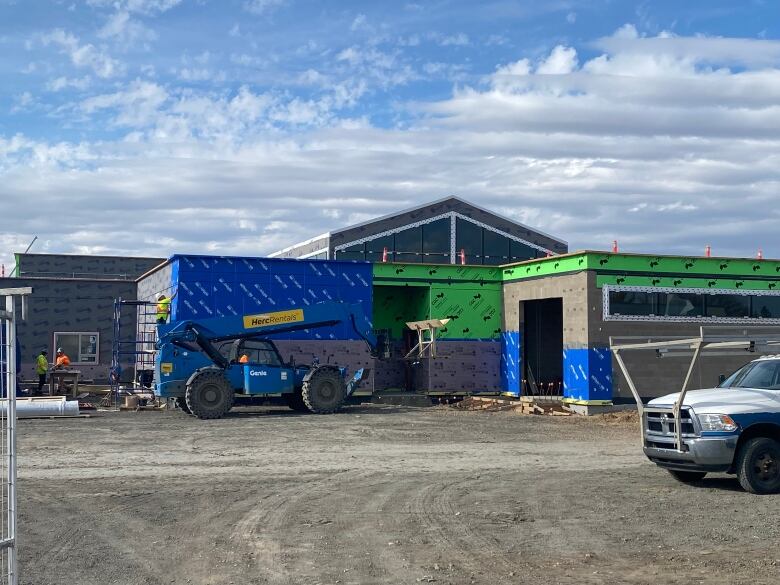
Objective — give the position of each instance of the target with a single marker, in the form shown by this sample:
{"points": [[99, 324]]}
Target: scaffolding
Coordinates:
{"points": [[140, 350]]}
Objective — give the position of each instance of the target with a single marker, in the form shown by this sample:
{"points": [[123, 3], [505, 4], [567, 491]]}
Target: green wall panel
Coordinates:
{"points": [[671, 281], [395, 305], [475, 310]]}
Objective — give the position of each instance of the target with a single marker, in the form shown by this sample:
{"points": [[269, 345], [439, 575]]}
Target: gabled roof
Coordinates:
{"points": [[452, 199]]}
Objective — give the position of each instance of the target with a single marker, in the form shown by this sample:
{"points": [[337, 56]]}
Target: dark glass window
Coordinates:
{"points": [[680, 305], [495, 248], [632, 303], [436, 242], [375, 249], [766, 307], [408, 245], [519, 251], [469, 238], [356, 252], [727, 305]]}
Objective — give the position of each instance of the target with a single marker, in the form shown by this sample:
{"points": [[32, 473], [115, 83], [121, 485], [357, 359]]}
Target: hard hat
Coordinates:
{"points": [[161, 297], [59, 350]]}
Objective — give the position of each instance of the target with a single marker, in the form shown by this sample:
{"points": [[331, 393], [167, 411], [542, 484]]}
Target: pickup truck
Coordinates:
{"points": [[733, 428]]}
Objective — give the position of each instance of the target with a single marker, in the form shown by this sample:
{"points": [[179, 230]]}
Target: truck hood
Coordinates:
{"points": [[725, 400]]}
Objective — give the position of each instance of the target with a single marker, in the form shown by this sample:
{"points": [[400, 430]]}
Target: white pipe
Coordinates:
{"points": [[28, 407]]}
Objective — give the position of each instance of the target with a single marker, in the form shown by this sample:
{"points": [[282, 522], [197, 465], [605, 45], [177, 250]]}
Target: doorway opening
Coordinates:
{"points": [[542, 347]]}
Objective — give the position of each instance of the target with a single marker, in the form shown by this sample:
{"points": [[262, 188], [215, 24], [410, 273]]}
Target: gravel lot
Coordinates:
{"points": [[374, 495]]}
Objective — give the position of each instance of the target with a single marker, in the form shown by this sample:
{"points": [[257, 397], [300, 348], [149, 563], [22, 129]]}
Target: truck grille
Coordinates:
{"points": [[659, 422]]}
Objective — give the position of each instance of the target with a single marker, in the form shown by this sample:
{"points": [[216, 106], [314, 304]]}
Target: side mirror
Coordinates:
{"points": [[721, 379], [291, 361]]}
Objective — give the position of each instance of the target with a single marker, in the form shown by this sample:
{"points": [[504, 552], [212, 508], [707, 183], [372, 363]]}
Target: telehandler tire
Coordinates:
{"points": [[209, 395], [181, 402], [324, 390], [295, 401]]}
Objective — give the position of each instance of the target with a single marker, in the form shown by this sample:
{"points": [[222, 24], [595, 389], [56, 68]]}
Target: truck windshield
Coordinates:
{"points": [[761, 374]]}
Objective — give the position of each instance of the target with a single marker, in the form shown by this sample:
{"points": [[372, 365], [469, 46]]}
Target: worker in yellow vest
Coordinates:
{"points": [[164, 307], [41, 367]]}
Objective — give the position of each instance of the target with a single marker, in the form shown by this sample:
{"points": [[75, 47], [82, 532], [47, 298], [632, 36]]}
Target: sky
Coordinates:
{"points": [[153, 127]]}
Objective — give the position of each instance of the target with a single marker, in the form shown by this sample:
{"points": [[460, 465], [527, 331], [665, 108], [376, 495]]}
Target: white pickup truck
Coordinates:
{"points": [[734, 428]]}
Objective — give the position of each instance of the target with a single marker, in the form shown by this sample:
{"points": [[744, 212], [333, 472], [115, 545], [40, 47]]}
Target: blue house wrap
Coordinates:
{"points": [[510, 362], [587, 373], [210, 286]]}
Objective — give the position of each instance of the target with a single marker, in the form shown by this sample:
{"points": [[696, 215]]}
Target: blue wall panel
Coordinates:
{"points": [[214, 286], [587, 373], [510, 362]]}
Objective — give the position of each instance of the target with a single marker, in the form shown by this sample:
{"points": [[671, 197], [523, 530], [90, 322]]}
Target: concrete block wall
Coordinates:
{"points": [[583, 379], [462, 366]]}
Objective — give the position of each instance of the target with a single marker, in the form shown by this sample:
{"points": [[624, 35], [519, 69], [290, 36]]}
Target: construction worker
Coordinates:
{"points": [[164, 307], [41, 367], [244, 359], [63, 361]]}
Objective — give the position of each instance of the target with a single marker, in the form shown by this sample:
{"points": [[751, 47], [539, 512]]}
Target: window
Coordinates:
{"points": [[81, 348], [631, 302], [436, 242], [356, 252], [375, 249], [259, 352], [766, 307], [719, 305], [469, 238], [519, 251], [495, 248], [408, 245], [680, 305]]}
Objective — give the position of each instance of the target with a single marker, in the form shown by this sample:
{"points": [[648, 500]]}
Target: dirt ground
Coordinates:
{"points": [[374, 495]]}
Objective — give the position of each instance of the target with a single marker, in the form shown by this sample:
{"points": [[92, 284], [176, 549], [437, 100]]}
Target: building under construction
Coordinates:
{"points": [[525, 315]]}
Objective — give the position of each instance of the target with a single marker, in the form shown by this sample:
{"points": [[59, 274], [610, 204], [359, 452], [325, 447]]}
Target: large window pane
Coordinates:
{"points": [[727, 305], [375, 249], [469, 238], [632, 303], [356, 252], [495, 248], [680, 305], [766, 307], [408, 245], [519, 251], [436, 242]]}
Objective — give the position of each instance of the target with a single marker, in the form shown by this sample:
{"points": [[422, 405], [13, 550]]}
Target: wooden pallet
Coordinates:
{"points": [[523, 406]]}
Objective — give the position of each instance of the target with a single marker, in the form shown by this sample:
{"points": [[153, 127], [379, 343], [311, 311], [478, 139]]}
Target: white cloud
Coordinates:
{"points": [[145, 7], [456, 40], [263, 6], [121, 27], [561, 61], [60, 83], [664, 150], [359, 23], [83, 56]]}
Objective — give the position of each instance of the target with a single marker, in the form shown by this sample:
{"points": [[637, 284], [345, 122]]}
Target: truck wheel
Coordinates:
{"points": [[687, 476], [209, 395], [181, 402], [758, 466], [295, 401], [324, 390]]}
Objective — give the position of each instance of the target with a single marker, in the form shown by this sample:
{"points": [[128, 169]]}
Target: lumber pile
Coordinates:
{"points": [[523, 405]]}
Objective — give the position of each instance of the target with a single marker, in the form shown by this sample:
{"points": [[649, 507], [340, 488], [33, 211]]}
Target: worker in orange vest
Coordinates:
{"points": [[244, 359], [63, 361]]}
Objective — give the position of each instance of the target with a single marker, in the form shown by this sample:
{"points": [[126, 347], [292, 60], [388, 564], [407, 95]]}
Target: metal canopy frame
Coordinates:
{"points": [[711, 341]]}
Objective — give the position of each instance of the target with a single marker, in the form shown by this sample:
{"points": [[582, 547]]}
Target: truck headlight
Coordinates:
{"points": [[717, 422]]}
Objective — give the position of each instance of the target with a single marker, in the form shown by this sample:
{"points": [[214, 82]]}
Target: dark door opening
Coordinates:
{"points": [[542, 347]]}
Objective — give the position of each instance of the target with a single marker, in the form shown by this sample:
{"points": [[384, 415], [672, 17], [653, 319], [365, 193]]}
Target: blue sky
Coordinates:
{"points": [[161, 126]]}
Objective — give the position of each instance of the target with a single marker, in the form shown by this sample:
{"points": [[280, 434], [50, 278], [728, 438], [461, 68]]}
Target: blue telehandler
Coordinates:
{"points": [[204, 364]]}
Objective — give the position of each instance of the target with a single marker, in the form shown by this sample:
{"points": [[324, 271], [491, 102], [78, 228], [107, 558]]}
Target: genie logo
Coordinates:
{"points": [[258, 373]]}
